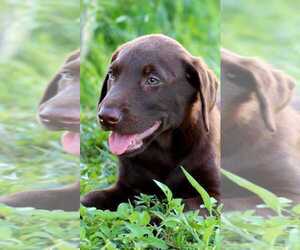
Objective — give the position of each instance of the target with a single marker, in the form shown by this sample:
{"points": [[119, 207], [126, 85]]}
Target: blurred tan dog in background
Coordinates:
{"points": [[260, 130]]}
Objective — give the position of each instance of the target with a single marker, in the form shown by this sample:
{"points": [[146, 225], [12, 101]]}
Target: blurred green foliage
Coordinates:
{"points": [[31, 229], [269, 30], [35, 37]]}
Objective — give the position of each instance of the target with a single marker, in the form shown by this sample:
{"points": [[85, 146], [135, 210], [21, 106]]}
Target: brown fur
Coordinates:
{"points": [[296, 102], [260, 129], [184, 102]]}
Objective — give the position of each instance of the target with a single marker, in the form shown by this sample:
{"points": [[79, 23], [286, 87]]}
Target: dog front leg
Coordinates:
{"points": [[109, 198]]}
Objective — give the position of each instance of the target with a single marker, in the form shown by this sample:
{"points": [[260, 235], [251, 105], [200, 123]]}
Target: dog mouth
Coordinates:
{"points": [[120, 144], [71, 142], [66, 124]]}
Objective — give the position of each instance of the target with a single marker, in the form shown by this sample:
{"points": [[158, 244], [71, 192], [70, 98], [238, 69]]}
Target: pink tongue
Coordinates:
{"points": [[118, 144], [71, 142]]}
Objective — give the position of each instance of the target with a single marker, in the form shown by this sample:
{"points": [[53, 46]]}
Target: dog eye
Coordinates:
{"points": [[231, 76], [67, 76], [152, 81], [111, 75]]}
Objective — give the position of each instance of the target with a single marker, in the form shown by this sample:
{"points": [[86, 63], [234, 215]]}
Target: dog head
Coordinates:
{"points": [[151, 86], [243, 77], [59, 108]]}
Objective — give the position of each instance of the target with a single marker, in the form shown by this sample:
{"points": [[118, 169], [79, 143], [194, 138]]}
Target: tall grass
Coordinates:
{"points": [[35, 37]]}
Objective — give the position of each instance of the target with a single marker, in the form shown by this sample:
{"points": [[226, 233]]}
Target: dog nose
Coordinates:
{"points": [[109, 116]]}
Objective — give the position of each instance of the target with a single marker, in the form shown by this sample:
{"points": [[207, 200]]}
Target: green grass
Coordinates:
{"points": [[269, 31], [35, 38], [133, 226], [28, 229], [249, 28], [130, 228]]}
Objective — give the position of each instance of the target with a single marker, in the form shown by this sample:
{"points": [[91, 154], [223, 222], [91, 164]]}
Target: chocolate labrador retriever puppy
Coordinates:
{"points": [[58, 110], [158, 101], [260, 129]]}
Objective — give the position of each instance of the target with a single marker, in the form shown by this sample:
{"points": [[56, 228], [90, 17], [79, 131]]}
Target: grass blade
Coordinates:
{"points": [[204, 195], [270, 199]]}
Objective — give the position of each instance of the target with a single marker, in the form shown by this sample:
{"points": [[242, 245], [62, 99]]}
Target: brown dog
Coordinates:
{"points": [[260, 130], [58, 110], [296, 102], [159, 102]]}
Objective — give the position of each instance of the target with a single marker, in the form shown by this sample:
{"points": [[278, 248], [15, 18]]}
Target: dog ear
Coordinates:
{"points": [[205, 81], [52, 87], [272, 87], [104, 84], [103, 90], [73, 56]]}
